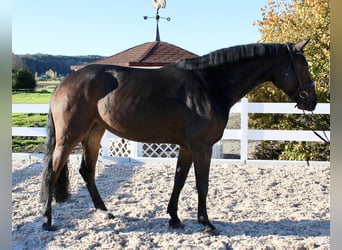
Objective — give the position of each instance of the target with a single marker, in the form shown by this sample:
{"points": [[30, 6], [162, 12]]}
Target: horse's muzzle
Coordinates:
{"points": [[309, 103]]}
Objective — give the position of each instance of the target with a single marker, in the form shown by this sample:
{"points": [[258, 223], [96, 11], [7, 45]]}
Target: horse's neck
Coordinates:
{"points": [[236, 80]]}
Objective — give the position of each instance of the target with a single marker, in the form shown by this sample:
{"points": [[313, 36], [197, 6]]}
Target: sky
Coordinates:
{"points": [[106, 27]]}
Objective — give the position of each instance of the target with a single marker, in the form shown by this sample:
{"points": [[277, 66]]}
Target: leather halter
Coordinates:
{"points": [[300, 90]]}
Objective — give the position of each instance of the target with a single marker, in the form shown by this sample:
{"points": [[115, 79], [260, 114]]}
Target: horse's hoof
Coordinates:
{"points": [[106, 215], [109, 216], [211, 230], [175, 224], [48, 227]]}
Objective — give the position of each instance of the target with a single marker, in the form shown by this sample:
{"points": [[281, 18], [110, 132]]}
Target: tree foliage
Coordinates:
{"points": [[295, 21], [23, 79], [41, 63]]}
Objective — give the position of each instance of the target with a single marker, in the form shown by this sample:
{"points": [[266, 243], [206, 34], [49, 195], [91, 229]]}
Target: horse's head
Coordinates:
{"points": [[295, 79]]}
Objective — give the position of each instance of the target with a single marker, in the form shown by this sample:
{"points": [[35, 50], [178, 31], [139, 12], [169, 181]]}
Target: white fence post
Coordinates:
{"points": [[105, 144], [244, 129], [134, 148], [217, 150]]}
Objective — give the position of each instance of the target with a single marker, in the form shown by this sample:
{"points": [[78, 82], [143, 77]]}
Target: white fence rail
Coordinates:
{"points": [[112, 145]]}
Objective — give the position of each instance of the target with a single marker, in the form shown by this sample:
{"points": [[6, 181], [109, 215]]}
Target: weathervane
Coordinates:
{"points": [[157, 5]]}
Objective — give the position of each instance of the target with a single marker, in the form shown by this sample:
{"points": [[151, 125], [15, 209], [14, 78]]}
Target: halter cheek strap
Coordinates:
{"points": [[300, 90]]}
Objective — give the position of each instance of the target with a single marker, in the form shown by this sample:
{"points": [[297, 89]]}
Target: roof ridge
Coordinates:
{"points": [[124, 51], [148, 51]]}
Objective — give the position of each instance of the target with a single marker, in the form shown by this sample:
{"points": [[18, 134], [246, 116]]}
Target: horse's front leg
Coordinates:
{"points": [[182, 169], [202, 157]]}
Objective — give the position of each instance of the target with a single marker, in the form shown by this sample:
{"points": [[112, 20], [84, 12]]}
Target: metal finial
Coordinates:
{"points": [[157, 38], [157, 5]]}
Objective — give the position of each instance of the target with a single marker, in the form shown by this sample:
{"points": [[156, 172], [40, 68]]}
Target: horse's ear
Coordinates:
{"points": [[300, 46]]}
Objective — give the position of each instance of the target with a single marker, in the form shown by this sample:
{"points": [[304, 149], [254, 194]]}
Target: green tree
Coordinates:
{"points": [[296, 21], [23, 79]]}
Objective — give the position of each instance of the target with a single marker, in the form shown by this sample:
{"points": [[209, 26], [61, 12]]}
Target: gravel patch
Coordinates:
{"points": [[253, 207]]}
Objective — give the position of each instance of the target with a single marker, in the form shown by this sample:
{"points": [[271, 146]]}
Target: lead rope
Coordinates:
{"points": [[326, 139]]}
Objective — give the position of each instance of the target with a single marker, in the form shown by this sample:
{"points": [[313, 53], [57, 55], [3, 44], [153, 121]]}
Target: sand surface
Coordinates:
{"points": [[253, 207]]}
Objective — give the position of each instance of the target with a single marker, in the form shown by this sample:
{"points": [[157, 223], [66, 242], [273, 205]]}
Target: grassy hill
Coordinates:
{"points": [[41, 63]]}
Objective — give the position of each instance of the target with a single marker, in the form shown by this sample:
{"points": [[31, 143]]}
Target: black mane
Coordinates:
{"points": [[231, 55]]}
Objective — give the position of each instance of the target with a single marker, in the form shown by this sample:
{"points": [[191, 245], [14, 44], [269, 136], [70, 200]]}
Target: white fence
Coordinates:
{"points": [[112, 145]]}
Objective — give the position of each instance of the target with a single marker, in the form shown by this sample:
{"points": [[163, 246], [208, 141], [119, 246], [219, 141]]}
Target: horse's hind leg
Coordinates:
{"points": [[91, 146], [183, 165], [56, 179], [67, 127]]}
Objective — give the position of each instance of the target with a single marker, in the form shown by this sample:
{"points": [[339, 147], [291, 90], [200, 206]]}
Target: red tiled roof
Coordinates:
{"points": [[145, 55]]}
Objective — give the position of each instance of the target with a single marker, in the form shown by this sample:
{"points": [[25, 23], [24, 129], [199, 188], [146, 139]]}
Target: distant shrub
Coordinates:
{"points": [[308, 151], [270, 150], [23, 79], [305, 151]]}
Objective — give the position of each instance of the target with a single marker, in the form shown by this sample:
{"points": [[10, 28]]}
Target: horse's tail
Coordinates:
{"points": [[61, 188]]}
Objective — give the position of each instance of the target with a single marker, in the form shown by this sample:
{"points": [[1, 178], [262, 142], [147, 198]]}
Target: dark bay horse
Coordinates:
{"points": [[185, 103]]}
